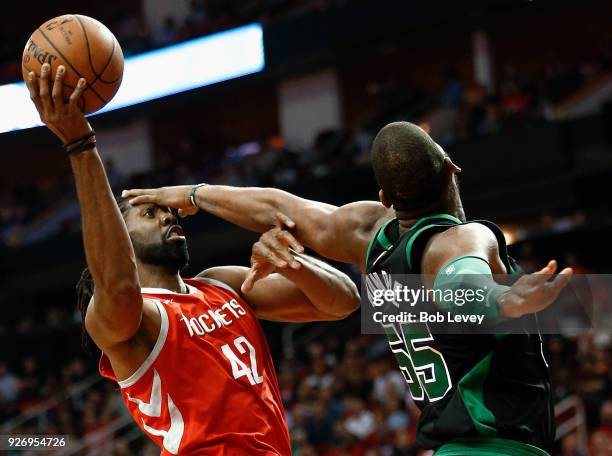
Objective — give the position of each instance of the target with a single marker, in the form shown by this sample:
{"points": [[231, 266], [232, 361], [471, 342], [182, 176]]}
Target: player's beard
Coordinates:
{"points": [[171, 255]]}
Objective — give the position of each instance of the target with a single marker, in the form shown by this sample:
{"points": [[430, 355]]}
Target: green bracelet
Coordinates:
{"points": [[194, 189]]}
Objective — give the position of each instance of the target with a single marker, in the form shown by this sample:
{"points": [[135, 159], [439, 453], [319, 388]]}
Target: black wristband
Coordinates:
{"points": [[80, 141], [82, 148]]}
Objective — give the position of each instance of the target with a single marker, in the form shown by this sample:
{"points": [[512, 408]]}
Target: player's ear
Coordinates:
{"points": [[383, 199], [450, 166]]}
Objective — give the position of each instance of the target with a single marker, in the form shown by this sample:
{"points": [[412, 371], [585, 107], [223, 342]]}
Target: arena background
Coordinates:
{"points": [[518, 92]]}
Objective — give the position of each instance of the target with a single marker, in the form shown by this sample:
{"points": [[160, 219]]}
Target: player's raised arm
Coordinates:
{"points": [[466, 257], [339, 233], [302, 288], [116, 312]]}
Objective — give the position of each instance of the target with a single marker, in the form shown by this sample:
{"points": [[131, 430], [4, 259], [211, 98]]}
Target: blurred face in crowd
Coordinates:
{"points": [[606, 413], [157, 237]]}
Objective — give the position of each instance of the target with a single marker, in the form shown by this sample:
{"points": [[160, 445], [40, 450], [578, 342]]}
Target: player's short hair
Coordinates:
{"points": [[85, 285], [409, 166]]}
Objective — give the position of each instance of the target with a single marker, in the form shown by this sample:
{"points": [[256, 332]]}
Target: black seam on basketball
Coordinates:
{"points": [[108, 63], [70, 65], [110, 58], [88, 48], [91, 65]]}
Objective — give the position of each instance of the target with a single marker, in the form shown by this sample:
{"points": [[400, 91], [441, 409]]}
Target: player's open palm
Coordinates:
{"points": [[65, 119], [272, 252], [534, 292]]}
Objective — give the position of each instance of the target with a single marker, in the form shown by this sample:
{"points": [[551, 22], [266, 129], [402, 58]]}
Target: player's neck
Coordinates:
{"points": [[157, 277], [451, 205]]}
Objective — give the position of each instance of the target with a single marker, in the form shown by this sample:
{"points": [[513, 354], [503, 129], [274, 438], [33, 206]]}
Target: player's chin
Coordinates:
{"points": [[176, 240]]}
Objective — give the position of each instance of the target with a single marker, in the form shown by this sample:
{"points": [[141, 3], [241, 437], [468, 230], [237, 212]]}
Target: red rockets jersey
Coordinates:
{"points": [[209, 386]]}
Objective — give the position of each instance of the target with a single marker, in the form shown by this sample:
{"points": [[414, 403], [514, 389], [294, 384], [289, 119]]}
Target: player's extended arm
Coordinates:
{"points": [[339, 233], [115, 314], [302, 289], [465, 257]]}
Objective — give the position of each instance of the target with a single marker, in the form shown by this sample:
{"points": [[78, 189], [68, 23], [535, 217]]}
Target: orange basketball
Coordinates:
{"points": [[86, 48]]}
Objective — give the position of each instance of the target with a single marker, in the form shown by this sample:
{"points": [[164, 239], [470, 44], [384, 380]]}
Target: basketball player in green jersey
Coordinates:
{"points": [[479, 394]]}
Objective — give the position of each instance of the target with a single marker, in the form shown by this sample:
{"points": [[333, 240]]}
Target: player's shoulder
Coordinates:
{"points": [[373, 212], [462, 238], [470, 231], [229, 278], [364, 218]]}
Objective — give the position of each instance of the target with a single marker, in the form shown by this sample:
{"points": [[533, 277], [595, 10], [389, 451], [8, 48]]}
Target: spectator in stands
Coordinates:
{"points": [[452, 93], [167, 35], [605, 420], [132, 33], [9, 391], [570, 446], [9, 386]]}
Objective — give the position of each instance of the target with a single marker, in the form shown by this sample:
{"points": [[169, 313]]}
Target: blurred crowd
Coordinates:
{"points": [[41, 209], [465, 109]]}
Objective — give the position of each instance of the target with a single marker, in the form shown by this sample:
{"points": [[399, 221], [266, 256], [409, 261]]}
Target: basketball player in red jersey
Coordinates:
{"points": [[190, 357]]}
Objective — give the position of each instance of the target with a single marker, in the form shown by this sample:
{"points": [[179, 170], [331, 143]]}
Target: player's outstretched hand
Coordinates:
{"points": [[273, 252], [534, 292], [176, 197], [65, 119]]}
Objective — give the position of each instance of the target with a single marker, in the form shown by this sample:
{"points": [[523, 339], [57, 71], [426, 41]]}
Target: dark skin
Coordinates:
{"points": [[123, 324], [344, 233]]}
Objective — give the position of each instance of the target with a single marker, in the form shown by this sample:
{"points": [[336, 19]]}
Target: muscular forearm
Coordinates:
{"points": [[251, 208], [330, 291], [108, 249]]}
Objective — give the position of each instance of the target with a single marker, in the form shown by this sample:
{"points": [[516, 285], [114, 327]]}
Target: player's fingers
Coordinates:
{"points": [[291, 241], [255, 274], [544, 274], [278, 247], [286, 239], [73, 103], [264, 252], [562, 279], [58, 89], [43, 87], [143, 199], [33, 89], [249, 281], [283, 220], [136, 192]]}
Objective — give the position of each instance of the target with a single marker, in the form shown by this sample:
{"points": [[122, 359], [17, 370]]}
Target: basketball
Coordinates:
{"points": [[86, 48]]}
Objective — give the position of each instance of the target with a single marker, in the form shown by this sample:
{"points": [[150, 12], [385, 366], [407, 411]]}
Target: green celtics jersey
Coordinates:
{"points": [[482, 386]]}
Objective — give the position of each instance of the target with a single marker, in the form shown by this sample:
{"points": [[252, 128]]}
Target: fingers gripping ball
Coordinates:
{"points": [[86, 48]]}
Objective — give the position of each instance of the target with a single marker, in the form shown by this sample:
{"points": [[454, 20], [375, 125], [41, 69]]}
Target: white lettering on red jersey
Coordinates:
{"points": [[209, 386]]}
